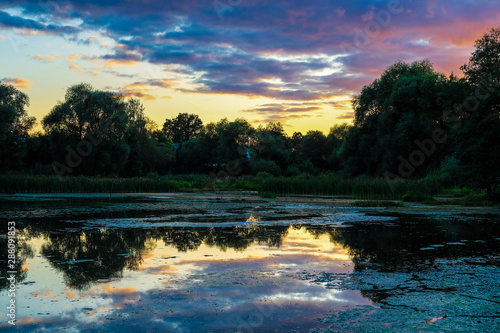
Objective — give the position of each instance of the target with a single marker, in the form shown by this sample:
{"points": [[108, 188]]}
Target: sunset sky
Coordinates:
{"points": [[297, 62]]}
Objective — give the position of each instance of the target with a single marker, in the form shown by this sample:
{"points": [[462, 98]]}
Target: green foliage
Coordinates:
{"points": [[361, 188], [54, 184], [267, 195], [193, 157], [270, 145], [414, 196], [99, 133], [484, 63], [390, 114], [270, 167], [14, 126], [477, 132], [313, 149], [184, 127]]}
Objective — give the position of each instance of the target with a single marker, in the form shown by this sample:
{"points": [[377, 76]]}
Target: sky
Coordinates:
{"points": [[295, 62]]}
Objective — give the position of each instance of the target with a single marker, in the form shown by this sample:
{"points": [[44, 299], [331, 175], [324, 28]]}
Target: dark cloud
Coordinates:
{"points": [[281, 112], [276, 49], [9, 21]]}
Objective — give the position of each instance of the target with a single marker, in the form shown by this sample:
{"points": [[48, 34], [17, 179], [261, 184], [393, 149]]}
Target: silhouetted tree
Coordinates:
{"points": [[14, 126], [477, 135], [184, 127]]}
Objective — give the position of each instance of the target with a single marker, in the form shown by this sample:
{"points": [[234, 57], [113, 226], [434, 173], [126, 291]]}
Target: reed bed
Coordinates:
{"points": [[377, 189], [54, 184], [360, 188]]}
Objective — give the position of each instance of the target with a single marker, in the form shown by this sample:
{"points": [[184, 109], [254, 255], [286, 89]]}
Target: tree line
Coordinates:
{"points": [[412, 122]]}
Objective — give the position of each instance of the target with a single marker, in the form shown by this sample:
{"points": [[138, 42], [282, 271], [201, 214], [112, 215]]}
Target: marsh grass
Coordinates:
{"points": [[360, 188], [267, 195], [466, 201], [377, 203], [368, 189], [54, 184]]}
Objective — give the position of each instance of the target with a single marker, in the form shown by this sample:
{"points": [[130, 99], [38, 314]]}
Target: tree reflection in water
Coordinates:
{"points": [[23, 252], [237, 238], [85, 256], [407, 243]]}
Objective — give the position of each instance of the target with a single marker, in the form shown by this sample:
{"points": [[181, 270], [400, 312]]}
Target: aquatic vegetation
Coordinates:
{"points": [[267, 195], [54, 184], [377, 203], [359, 187]]}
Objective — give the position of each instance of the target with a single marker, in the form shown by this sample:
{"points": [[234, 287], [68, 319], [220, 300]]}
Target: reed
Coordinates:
{"points": [[322, 185], [54, 184], [360, 188]]}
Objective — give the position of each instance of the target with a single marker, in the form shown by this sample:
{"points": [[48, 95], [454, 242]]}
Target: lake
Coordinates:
{"points": [[228, 262]]}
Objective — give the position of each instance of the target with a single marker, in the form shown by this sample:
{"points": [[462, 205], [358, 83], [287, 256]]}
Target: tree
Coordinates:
{"points": [[150, 150], [313, 149], [234, 139], [484, 63], [184, 127], [87, 132], [391, 115], [270, 144], [477, 134], [86, 111], [193, 157], [14, 126], [333, 143]]}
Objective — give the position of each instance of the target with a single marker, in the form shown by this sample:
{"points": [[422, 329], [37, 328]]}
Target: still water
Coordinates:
{"points": [[230, 263]]}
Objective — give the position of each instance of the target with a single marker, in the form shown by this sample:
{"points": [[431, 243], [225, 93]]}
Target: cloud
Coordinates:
{"points": [[281, 112], [347, 115], [142, 89], [128, 93], [83, 70], [47, 58], [73, 57], [278, 49], [18, 82], [114, 63], [162, 83], [121, 58], [30, 26]]}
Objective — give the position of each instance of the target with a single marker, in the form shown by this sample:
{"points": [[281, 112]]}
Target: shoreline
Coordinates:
{"points": [[253, 196]]}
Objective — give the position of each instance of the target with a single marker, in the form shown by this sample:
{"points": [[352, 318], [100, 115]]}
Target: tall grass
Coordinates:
{"points": [[54, 184], [322, 185], [360, 188]]}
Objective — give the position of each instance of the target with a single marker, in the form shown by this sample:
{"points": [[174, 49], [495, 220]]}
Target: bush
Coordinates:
{"points": [[270, 167], [413, 197]]}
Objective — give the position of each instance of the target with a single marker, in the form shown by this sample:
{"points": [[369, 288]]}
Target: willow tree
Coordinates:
{"points": [[87, 132], [392, 114], [477, 133], [14, 126]]}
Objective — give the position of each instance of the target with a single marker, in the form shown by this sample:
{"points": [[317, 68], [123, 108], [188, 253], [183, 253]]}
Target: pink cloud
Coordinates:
{"points": [[18, 82]]}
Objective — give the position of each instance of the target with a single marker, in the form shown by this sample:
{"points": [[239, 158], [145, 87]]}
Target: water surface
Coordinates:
{"points": [[226, 263]]}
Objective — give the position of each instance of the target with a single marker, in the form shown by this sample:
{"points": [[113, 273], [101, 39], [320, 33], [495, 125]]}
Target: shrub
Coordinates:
{"points": [[270, 167]]}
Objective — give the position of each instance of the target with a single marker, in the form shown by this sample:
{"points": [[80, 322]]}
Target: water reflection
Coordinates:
{"points": [[418, 240], [250, 276], [166, 279], [23, 252], [87, 256]]}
